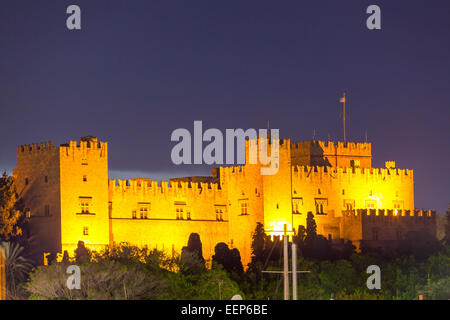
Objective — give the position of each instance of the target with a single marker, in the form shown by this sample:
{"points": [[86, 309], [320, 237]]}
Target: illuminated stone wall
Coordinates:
{"points": [[70, 198], [37, 179], [84, 179], [163, 216]]}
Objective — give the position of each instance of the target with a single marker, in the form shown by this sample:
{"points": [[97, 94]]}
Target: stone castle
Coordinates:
{"points": [[68, 197]]}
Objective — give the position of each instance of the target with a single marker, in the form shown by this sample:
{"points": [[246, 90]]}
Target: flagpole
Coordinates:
{"points": [[343, 114], [345, 139]]}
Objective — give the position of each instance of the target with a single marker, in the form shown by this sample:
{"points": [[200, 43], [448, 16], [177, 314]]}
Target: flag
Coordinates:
{"points": [[342, 100]]}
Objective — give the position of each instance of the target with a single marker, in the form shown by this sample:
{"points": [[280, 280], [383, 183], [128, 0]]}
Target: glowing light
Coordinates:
{"points": [[378, 198], [276, 228]]}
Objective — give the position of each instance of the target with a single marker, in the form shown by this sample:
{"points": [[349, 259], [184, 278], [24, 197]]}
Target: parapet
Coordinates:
{"points": [[389, 213], [85, 145], [152, 187], [35, 147], [340, 148], [308, 172]]}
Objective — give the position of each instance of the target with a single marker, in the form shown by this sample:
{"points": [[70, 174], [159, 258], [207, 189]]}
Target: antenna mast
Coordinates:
{"points": [[342, 100]]}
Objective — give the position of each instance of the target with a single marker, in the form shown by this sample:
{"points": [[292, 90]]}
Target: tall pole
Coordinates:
{"points": [[343, 117], [286, 265], [2, 275], [294, 271]]}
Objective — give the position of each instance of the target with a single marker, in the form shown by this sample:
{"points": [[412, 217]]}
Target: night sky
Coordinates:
{"points": [[140, 69]]}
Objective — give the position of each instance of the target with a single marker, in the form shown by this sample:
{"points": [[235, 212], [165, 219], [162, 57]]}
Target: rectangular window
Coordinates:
{"points": [[144, 208], [180, 209], [243, 204], [46, 179], [220, 211], [26, 181], [85, 205], [321, 205], [133, 214], [85, 231], [371, 204], [398, 204], [349, 204], [84, 178], [297, 204]]}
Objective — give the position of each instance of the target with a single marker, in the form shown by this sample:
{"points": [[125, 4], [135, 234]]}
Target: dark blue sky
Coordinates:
{"points": [[140, 69]]}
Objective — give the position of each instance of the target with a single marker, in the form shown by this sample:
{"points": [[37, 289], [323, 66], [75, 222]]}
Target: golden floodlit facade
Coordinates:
{"points": [[69, 198]]}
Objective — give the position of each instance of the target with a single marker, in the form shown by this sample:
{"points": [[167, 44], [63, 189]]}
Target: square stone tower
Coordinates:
{"points": [[65, 193]]}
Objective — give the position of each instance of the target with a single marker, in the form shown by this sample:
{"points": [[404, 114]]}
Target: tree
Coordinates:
{"points": [[16, 265], [229, 259], [104, 280], [447, 227], [82, 254], [214, 284], [10, 215], [195, 245], [311, 228], [192, 261], [190, 264], [261, 247], [299, 239]]}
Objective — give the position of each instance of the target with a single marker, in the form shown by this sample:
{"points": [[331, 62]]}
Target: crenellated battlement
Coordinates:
{"points": [[36, 147], [153, 187], [340, 148], [309, 172], [84, 146], [421, 213]]}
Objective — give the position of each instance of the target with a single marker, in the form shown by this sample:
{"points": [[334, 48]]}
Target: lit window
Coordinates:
{"points": [[244, 208], [85, 204], [144, 208], [349, 204], [85, 231], [321, 206], [180, 209], [180, 213], [133, 214], [371, 204], [220, 210], [297, 204]]}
